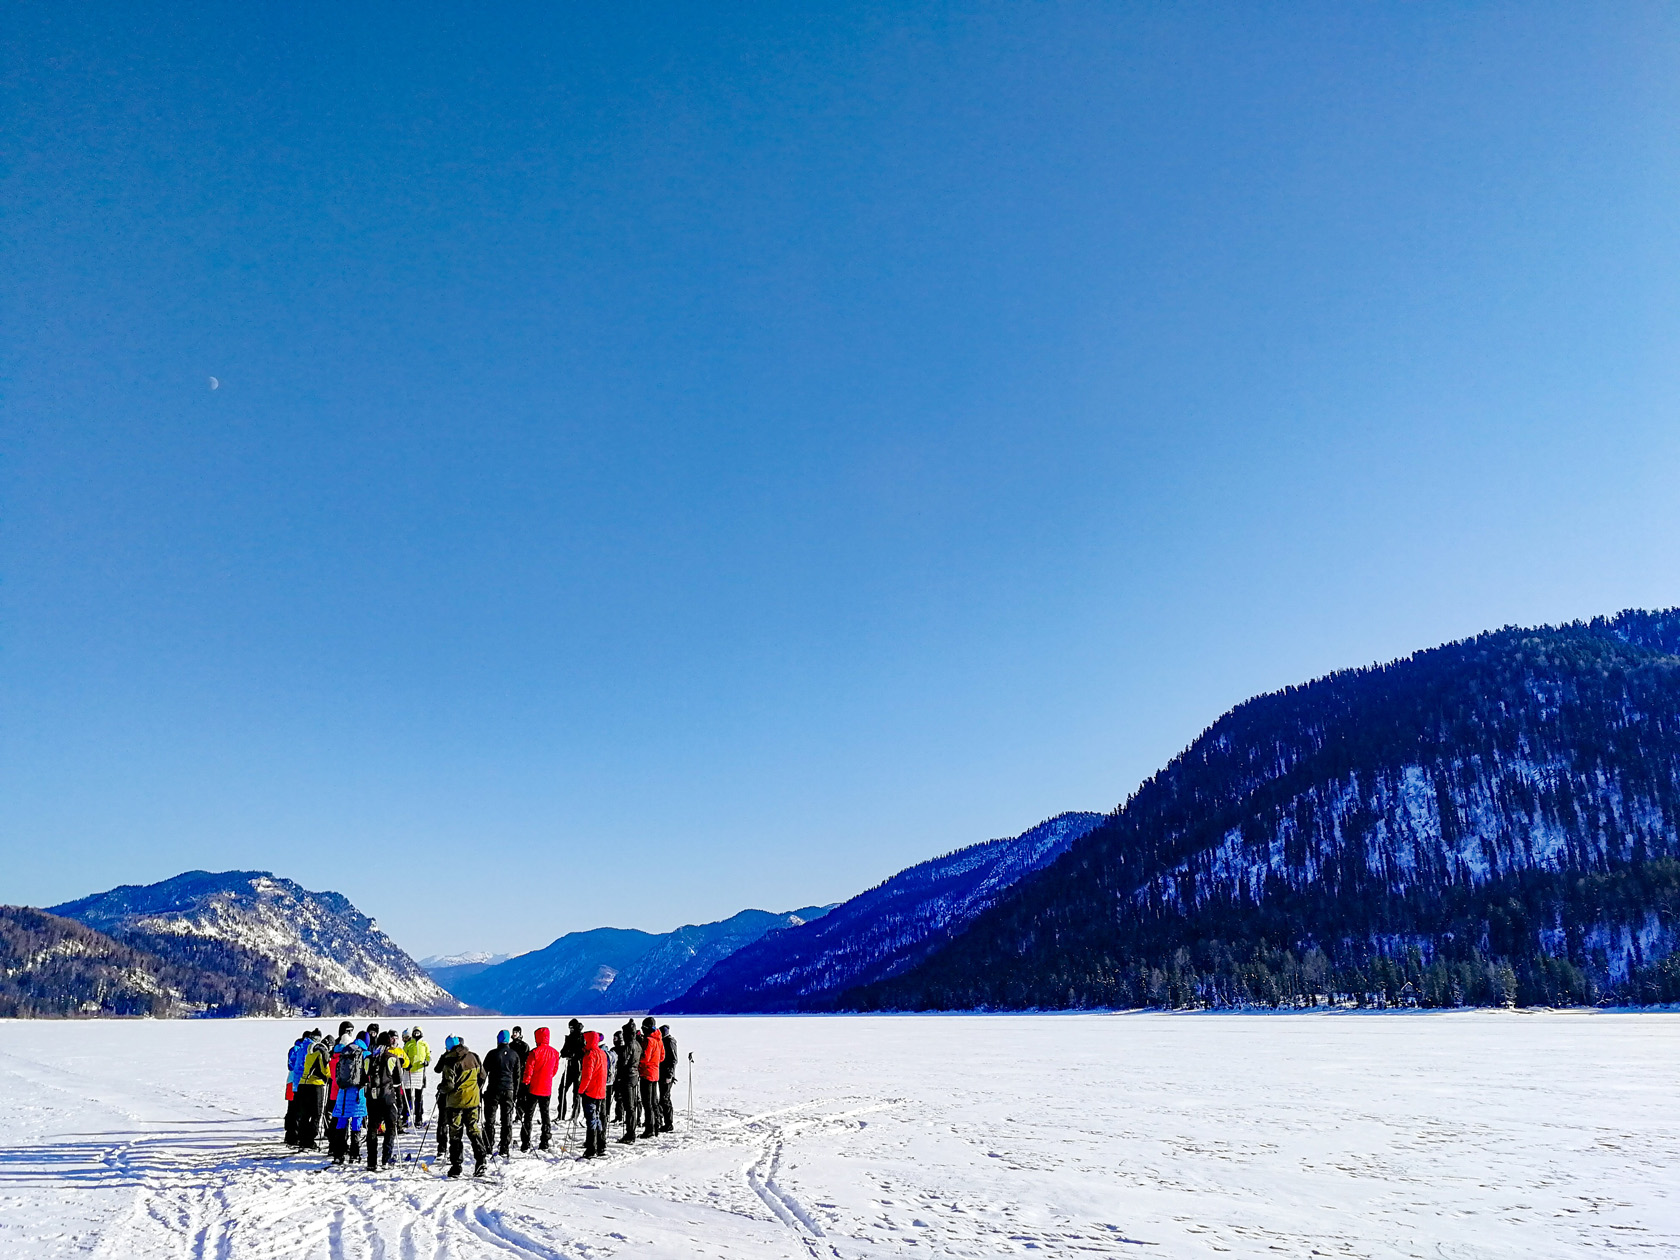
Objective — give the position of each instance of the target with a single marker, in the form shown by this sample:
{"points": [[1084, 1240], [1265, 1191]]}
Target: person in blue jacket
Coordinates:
{"points": [[350, 1107], [294, 1077]]}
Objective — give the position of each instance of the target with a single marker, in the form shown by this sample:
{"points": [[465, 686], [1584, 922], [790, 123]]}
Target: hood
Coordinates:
{"points": [[591, 1041], [542, 1036]]}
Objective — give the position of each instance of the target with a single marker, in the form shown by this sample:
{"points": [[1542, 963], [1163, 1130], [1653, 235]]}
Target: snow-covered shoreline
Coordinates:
{"points": [[1457, 1134]]}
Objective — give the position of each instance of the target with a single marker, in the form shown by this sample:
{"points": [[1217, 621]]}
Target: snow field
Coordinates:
{"points": [[1456, 1136]]}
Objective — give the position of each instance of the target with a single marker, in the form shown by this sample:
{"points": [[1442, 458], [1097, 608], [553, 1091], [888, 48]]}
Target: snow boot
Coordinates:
{"points": [[478, 1169], [454, 1170]]}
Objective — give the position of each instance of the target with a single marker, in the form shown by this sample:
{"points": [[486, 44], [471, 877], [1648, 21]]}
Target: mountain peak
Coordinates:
{"points": [[313, 948]]}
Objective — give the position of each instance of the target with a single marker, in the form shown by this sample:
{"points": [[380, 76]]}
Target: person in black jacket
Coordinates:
{"points": [[629, 1064], [523, 1049], [571, 1050], [384, 1094], [667, 1078], [501, 1092]]}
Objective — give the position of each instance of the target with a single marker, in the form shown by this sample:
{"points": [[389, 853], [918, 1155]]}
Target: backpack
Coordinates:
{"points": [[352, 1071]]}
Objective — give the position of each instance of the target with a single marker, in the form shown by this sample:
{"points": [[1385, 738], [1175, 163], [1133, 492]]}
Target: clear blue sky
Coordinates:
{"points": [[676, 458]]}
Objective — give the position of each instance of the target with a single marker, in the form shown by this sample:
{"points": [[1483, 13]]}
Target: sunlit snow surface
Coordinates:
{"points": [[1458, 1135]]}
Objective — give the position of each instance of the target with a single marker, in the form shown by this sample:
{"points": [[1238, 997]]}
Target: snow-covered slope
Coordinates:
{"points": [[617, 969], [880, 932], [312, 948]]}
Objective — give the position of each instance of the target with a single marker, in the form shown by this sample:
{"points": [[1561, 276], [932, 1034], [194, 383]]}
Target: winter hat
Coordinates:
{"points": [[647, 1024], [502, 1037], [418, 1033], [345, 1027], [449, 1043]]}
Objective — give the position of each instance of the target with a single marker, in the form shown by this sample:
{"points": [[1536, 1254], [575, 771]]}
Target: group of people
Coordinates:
{"points": [[374, 1082]]}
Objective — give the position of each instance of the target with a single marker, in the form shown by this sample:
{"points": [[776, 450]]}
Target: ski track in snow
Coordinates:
{"points": [[1476, 1136]]}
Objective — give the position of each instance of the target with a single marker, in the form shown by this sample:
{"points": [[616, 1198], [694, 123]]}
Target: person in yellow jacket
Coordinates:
{"points": [[312, 1093], [419, 1057]]}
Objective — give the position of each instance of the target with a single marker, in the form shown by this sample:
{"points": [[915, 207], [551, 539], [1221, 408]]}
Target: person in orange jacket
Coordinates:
{"points": [[540, 1067], [653, 1054], [592, 1088]]}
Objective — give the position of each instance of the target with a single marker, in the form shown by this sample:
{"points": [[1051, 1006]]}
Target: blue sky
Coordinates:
{"points": [[668, 459]]}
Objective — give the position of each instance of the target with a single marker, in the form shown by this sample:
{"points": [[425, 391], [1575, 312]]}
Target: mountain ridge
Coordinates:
{"points": [[880, 931], [1492, 821]]}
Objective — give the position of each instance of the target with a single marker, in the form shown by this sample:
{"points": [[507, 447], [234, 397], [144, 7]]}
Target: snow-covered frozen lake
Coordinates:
{"points": [[1447, 1135]]}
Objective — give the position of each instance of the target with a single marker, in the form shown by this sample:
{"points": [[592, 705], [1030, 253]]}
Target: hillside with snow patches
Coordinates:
{"points": [[880, 932], [305, 950], [1495, 821]]}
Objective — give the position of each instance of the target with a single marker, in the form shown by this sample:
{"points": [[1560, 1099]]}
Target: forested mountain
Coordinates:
{"points": [[1491, 821], [279, 945], [880, 932], [606, 970], [55, 966]]}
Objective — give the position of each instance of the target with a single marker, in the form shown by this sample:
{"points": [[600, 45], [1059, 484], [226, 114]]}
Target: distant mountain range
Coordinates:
{"points": [[608, 970], [1494, 821], [446, 969], [271, 944], [879, 933]]}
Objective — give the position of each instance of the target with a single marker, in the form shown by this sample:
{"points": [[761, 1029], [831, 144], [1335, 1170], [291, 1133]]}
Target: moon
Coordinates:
{"points": [[214, 383]]}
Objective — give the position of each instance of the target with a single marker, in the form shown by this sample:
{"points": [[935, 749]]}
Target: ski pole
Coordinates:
{"points": [[690, 1087]]}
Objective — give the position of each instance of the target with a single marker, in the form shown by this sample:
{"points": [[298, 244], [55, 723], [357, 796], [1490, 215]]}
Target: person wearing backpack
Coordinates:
{"points": [[667, 1078], [592, 1088], [419, 1056], [501, 1092], [461, 1084], [312, 1090], [350, 1107], [335, 1135], [384, 1088]]}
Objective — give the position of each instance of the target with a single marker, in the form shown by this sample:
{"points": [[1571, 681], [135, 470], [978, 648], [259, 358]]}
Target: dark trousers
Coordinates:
{"points": [[539, 1102], [457, 1120], [498, 1105], [650, 1108], [627, 1101], [568, 1105], [594, 1125], [667, 1117], [417, 1105], [335, 1140], [292, 1119], [382, 1115], [308, 1100], [441, 1117]]}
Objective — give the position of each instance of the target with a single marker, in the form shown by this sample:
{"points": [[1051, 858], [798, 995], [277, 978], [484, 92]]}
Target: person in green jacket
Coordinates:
{"points": [[461, 1086], [419, 1056]]}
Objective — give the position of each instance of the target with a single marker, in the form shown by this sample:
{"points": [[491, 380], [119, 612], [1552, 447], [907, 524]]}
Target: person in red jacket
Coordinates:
{"points": [[653, 1054], [592, 1088], [540, 1067]]}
